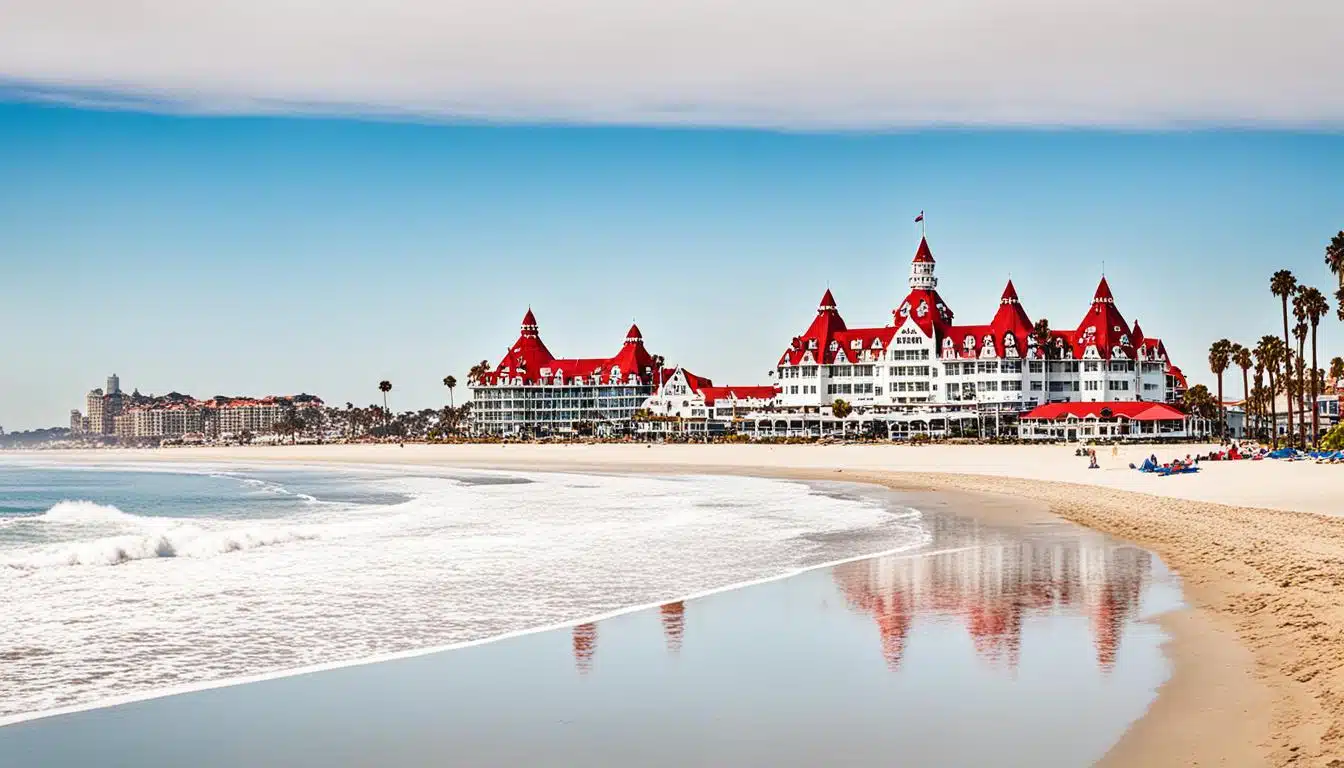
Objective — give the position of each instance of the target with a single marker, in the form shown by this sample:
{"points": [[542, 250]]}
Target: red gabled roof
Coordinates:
{"points": [[1104, 328], [713, 394], [1136, 410], [876, 339], [927, 310], [1011, 320], [530, 361], [818, 336], [966, 341]]}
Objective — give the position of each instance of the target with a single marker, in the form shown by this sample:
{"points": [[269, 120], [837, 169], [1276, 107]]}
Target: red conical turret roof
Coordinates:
{"points": [[924, 254], [827, 302], [1104, 328], [633, 335]]}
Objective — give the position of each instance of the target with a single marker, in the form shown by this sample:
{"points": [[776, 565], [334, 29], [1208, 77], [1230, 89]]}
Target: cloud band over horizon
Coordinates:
{"points": [[804, 64]]}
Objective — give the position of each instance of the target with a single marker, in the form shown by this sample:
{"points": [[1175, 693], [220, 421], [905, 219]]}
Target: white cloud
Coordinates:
{"points": [[784, 63]]}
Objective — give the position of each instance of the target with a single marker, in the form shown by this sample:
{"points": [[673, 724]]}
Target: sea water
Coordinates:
{"points": [[124, 582]]}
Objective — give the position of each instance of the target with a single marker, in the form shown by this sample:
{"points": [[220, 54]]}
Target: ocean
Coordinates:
{"points": [[126, 582]]}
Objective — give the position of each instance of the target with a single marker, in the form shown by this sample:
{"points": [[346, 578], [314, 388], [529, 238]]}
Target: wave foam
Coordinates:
{"points": [[154, 538], [78, 511]]}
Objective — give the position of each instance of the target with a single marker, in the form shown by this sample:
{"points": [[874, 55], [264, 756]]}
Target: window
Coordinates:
{"points": [[992, 367], [1035, 366], [1118, 386], [953, 369], [1091, 366], [1092, 386], [1036, 386], [1011, 385], [1011, 366]]}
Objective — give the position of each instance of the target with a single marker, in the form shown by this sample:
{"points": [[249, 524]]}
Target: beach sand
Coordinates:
{"points": [[1259, 656]]}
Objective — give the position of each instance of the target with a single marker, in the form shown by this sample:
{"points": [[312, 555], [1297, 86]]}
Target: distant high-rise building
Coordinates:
{"points": [[113, 385], [76, 422]]}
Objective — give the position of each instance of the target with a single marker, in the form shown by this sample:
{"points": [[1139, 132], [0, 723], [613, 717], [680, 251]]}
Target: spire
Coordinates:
{"points": [[1103, 294], [633, 336], [827, 302], [923, 254], [529, 324], [1009, 294]]}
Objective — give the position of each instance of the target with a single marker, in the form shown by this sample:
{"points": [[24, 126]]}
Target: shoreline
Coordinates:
{"points": [[1257, 657]]}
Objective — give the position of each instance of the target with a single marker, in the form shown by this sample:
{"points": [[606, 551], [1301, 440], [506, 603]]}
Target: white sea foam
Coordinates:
{"points": [[193, 603]]}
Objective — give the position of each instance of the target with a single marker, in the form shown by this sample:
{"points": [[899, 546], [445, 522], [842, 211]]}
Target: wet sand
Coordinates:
{"points": [[1008, 640]]}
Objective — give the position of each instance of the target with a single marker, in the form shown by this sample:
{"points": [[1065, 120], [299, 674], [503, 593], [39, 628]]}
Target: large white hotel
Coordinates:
{"points": [[924, 372]]}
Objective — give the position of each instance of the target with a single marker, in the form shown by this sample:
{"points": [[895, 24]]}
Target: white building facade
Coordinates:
{"points": [[925, 372]]}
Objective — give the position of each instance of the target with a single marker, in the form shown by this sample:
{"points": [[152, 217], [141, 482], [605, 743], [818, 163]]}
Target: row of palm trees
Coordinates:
{"points": [[1280, 365]]}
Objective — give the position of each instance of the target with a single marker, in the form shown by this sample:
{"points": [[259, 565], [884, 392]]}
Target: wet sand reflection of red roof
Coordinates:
{"points": [[991, 587], [585, 645], [674, 624]]}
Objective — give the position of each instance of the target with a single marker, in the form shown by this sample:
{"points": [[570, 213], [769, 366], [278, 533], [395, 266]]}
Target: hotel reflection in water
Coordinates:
{"points": [[990, 588]]}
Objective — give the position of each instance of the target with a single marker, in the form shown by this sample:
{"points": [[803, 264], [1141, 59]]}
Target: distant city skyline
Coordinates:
{"points": [[248, 255]]}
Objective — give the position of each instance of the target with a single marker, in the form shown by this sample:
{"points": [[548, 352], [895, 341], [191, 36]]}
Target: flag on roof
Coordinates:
{"points": [[920, 217]]}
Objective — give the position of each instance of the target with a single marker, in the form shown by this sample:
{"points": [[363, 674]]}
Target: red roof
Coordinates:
{"points": [[924, 255], [529, 361], [1136, 410], [1103, 328], [713, 394], [818, 337]]}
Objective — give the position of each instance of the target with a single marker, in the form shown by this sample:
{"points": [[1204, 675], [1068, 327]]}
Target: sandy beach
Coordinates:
{"points": [[1259, 655]]}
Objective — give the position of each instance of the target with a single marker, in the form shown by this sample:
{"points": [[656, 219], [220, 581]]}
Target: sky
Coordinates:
{"points": [[196, 205]]}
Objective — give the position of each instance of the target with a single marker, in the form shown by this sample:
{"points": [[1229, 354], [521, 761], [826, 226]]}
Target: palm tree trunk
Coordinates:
{"points": [[1246, 401], [1315, 417], [1288, 383], [1273, 412], [1222, 429], [1301, 392]]}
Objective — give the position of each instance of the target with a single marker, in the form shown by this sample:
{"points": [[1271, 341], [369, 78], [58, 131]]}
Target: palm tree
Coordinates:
{"points": [[1220, 354], [1267, 353], [385, 386], [1040, 333], [450, 382], [478, 372], [1314, 307], [1334, 258], [1284, 285], [1300, 333], [1336, 371], [1241, 357], [1259, 392]]}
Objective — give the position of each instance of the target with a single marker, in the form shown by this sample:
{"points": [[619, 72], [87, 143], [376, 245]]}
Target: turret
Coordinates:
{"points": [[921, 269]]}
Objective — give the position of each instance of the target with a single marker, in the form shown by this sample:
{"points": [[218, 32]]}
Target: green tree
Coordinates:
{"points": [[1040, 333], [1220, 355], [1314, 306], [1284, 285], [1300, 334], [1334, 258], [385, 386], [451, 383], [1269, 353], [1198, 402], [840, 409], [1336, 372], [1241, 357]]}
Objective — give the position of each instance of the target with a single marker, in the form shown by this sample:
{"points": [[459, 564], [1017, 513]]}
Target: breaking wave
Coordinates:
{"points": [[155, 537]]}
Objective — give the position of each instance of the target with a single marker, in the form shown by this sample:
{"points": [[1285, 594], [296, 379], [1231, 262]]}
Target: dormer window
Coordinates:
{"points": [[811, 343], [855, 344]]}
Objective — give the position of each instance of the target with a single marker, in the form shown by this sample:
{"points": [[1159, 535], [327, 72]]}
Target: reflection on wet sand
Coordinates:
{"points": [[585, 645], [673, 616], [584, 636], [992, 587]]}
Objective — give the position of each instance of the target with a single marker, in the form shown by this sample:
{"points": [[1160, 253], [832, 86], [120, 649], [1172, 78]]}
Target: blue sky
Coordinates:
{"points": [[230, 254]]}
